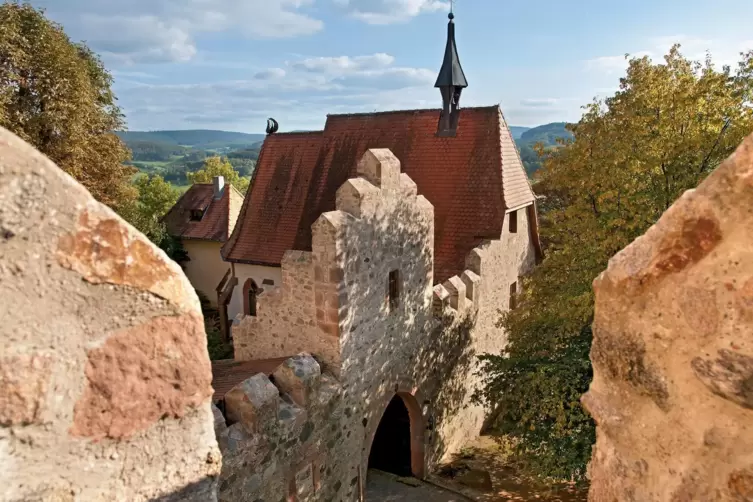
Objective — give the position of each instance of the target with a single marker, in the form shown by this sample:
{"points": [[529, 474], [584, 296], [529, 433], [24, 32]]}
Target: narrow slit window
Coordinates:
{"points": [[394, 289], [513, 294], [514, 222]]}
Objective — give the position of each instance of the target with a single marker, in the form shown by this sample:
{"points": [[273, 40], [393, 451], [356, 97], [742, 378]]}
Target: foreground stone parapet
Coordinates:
{"points": [[253, 403], [672, 393], [282, 433], [105, 381], [299, 377]]}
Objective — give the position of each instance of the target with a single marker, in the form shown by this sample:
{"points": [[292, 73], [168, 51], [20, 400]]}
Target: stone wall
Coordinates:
{"points": [[105, 380], [498, 263], [672, 393], [266, 278], [335, 302], [288, 317], [285, 439]]}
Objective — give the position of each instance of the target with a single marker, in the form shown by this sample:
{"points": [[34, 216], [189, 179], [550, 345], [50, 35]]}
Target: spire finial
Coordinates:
{"points": [[452, 4]]}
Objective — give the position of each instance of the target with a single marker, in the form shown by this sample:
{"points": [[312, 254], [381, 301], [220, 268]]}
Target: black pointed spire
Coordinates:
{"points": [[450, 82]]}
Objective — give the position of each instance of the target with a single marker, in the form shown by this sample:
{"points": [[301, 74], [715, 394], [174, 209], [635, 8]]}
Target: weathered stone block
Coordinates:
{"points": [[162, 358], [24, 381], [299, 377], [456, 288], [220, 428], [440, 299], [253, 403], [408, 187], [472, 285], [474, 261], [102, 337], [354, 195], [673, 352], [381, 168], [304, 483]]}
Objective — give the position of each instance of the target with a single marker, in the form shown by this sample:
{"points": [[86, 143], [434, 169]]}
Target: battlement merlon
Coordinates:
{"points": [[459, 294], [378, 212], [269, 407]]}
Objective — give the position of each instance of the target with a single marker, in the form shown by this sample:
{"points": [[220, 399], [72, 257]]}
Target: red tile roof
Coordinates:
{"points": [[471, 179], [215, 225], [228, 373]]}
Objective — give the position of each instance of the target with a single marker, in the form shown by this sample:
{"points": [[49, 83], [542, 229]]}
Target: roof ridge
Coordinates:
{"points": [[295, 133], [410, 110], [229, 246]]}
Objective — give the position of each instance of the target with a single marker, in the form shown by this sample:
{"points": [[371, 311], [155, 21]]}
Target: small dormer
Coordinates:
{"points": [[196, 214]]}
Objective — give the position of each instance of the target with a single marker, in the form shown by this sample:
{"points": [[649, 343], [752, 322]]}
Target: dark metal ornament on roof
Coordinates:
{"points": [[451, 74], [272, 126]]}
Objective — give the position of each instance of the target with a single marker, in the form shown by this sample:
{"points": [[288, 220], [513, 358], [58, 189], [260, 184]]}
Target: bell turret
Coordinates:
{"points": [[450, 82]]}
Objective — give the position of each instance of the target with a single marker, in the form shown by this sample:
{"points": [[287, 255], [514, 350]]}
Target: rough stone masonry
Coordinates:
{"points": [[105, 381], [672, 393]]}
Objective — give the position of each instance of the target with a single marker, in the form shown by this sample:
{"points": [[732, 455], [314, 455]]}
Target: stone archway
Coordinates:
{"points": [[397, 444]]}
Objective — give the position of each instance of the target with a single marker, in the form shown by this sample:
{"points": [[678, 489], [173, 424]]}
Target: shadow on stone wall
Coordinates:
{"points": [[383, 225], [201, 491]]}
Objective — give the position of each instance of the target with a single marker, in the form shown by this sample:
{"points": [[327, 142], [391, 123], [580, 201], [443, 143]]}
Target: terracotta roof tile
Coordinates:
{"points": [[215, 224], [228, 373], [298, 174]]}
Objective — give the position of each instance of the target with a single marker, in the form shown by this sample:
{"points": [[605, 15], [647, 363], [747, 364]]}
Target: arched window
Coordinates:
{"points": [[250, 290]]}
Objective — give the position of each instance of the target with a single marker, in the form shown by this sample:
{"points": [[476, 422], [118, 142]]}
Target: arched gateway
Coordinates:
{"points": [[397, 445]]}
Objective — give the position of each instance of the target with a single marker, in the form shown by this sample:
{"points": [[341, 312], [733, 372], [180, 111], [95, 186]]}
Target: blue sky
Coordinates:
{"points": [[230, 64]]}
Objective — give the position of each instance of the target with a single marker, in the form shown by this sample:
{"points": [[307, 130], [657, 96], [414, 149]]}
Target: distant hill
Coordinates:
{"points": [[546, 134], [205, 139], [517, 131], [173, 153]]}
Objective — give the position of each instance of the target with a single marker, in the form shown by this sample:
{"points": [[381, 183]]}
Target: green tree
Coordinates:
{"points": [[56, 95], [219, 166], [632, 155], [155, 198]]}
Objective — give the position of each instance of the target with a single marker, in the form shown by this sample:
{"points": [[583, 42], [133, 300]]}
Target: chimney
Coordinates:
{"points": [[219, 186]]}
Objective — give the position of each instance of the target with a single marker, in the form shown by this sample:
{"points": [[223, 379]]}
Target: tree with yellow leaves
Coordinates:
{"points": [[219, 166], [633, 154], [55, 94]]}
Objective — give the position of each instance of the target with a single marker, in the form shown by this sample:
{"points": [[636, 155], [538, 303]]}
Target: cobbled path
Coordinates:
{"points": [[382, 487]]}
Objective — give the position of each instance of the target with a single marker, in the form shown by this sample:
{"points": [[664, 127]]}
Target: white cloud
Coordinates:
{"points": [[299, 96], [722, 52], [614, 64], [154, 31], [270, 74], [127, 40], [390, 11], [539, 102], [363, 70], [344, 64]]}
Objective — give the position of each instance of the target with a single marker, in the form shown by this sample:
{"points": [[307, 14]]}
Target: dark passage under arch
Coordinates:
{"points": [[391, 448]]}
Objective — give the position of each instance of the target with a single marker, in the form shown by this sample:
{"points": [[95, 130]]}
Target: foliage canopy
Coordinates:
{"points": [[56, 95], [633, 154], [155, 198], [219, 166]]}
